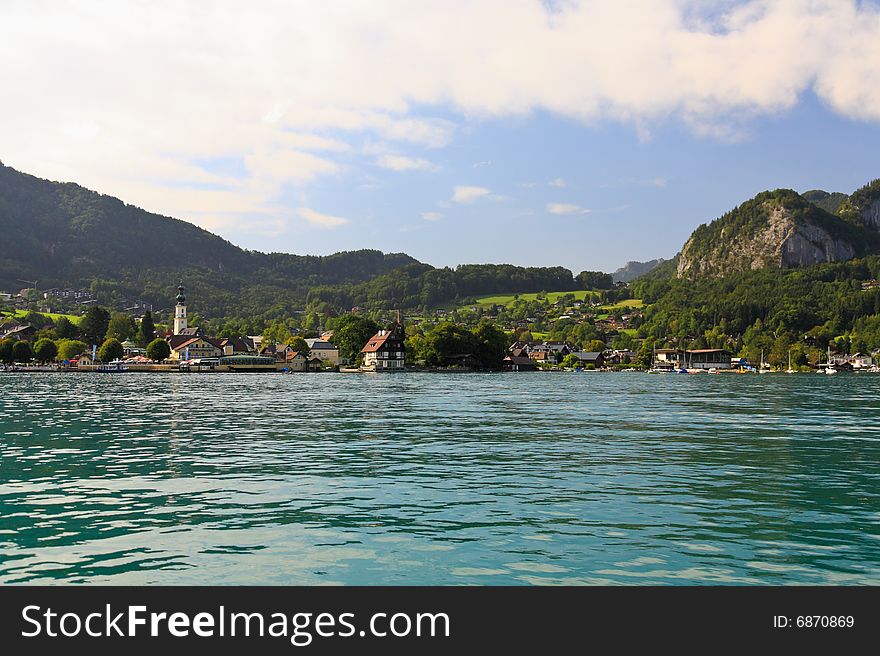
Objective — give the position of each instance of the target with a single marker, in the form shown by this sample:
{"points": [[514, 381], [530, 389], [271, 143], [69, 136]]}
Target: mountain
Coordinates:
{"points": [[830, 202], [63, 235], [632, 270], [781, 229]]}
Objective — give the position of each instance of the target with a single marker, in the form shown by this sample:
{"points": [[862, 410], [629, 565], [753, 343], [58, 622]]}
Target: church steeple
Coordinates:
{"points": [[180, 311]]}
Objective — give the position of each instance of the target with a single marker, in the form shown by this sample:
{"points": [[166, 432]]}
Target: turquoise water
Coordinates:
{"points": [[578, 478]]}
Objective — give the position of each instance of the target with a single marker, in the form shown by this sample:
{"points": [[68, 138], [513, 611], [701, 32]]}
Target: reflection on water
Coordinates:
{"points": [[439, 479]]}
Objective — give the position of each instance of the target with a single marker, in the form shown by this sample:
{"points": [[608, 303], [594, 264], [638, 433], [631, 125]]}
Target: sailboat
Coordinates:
{"points": [[789, 370], [763, 368], [830, 368]]}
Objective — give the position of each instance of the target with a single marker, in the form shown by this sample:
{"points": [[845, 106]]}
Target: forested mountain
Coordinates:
{"points": [[63, 235], [779, 273], [830, 202], [782, 229]]}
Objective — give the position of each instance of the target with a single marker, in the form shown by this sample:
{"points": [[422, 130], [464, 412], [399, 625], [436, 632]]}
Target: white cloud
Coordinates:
{"points": [[288, 165], [320, 220], [432, 216], [566, 208], [402, 163], [558, 182], [468, 194], [134, 96]]}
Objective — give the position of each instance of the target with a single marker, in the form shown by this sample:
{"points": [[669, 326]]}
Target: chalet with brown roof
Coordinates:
{"points": [[385, 350]]}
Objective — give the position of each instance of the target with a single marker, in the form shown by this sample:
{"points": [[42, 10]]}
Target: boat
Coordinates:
{"points": [[763, 367], [829, 369], [111, 368]]}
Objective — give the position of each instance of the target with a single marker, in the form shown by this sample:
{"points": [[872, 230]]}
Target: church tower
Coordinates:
{"points": [[180, 311]]}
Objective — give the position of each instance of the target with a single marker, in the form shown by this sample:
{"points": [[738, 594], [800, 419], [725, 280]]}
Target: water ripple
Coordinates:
{"points": [[432, 479]]}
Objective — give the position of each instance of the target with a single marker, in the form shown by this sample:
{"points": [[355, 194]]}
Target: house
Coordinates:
{"points": [[462, 360], [668, 358], [622, 356], [323, 350], [237, 346], [708, 359], [314, 364], [520, 362], [385, 350], [595, 358], [295, 361], [188, 348], [24, 333], [130, 349], [861, 361], [281, 352], [548, 351]]}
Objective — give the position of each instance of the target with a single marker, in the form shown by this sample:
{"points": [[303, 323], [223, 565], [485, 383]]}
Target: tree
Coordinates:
{"points": [[299, 344], [45, 350], [68, 349], [94, 324], [110, 350], [121, 326], [571, 361], [492, 344], [595, 280], [158, 350], [6, 356], [146, 330], [65, 329], [21, 352], [37, 320], [351, 333]]}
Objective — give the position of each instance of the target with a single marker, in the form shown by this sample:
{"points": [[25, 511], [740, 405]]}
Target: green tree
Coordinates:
{"points": [[299, 344], [571, 361], [21, 352], [6, 356], [45, 350], [594, 280], [146, 330], [351, 333], [65, 329], [94, 324], [110, 350], [68, 349], [492, 343], [158, 350], [37, 320], [595, 346], [121, 326], [445, 340]]}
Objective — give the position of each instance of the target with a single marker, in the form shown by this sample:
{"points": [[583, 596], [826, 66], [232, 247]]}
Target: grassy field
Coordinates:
{"points": [[20, 314], [628, 303], [507, 299]]}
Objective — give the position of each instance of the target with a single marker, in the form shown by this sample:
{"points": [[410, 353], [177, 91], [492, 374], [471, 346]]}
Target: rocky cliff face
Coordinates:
{"points": [[776, 230], [871, 215]]}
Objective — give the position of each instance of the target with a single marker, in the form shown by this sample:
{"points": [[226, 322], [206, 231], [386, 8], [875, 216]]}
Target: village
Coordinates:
{"points": [[187, 348]]}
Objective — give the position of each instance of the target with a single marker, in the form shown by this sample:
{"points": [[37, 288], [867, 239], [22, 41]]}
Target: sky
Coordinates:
{"points": [[580, 134]]}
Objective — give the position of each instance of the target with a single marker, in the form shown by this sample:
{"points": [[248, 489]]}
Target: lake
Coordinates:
{"points": [[420, 478]]}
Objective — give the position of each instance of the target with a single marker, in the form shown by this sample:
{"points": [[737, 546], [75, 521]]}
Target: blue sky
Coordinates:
{"points": [[584, 136]]}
